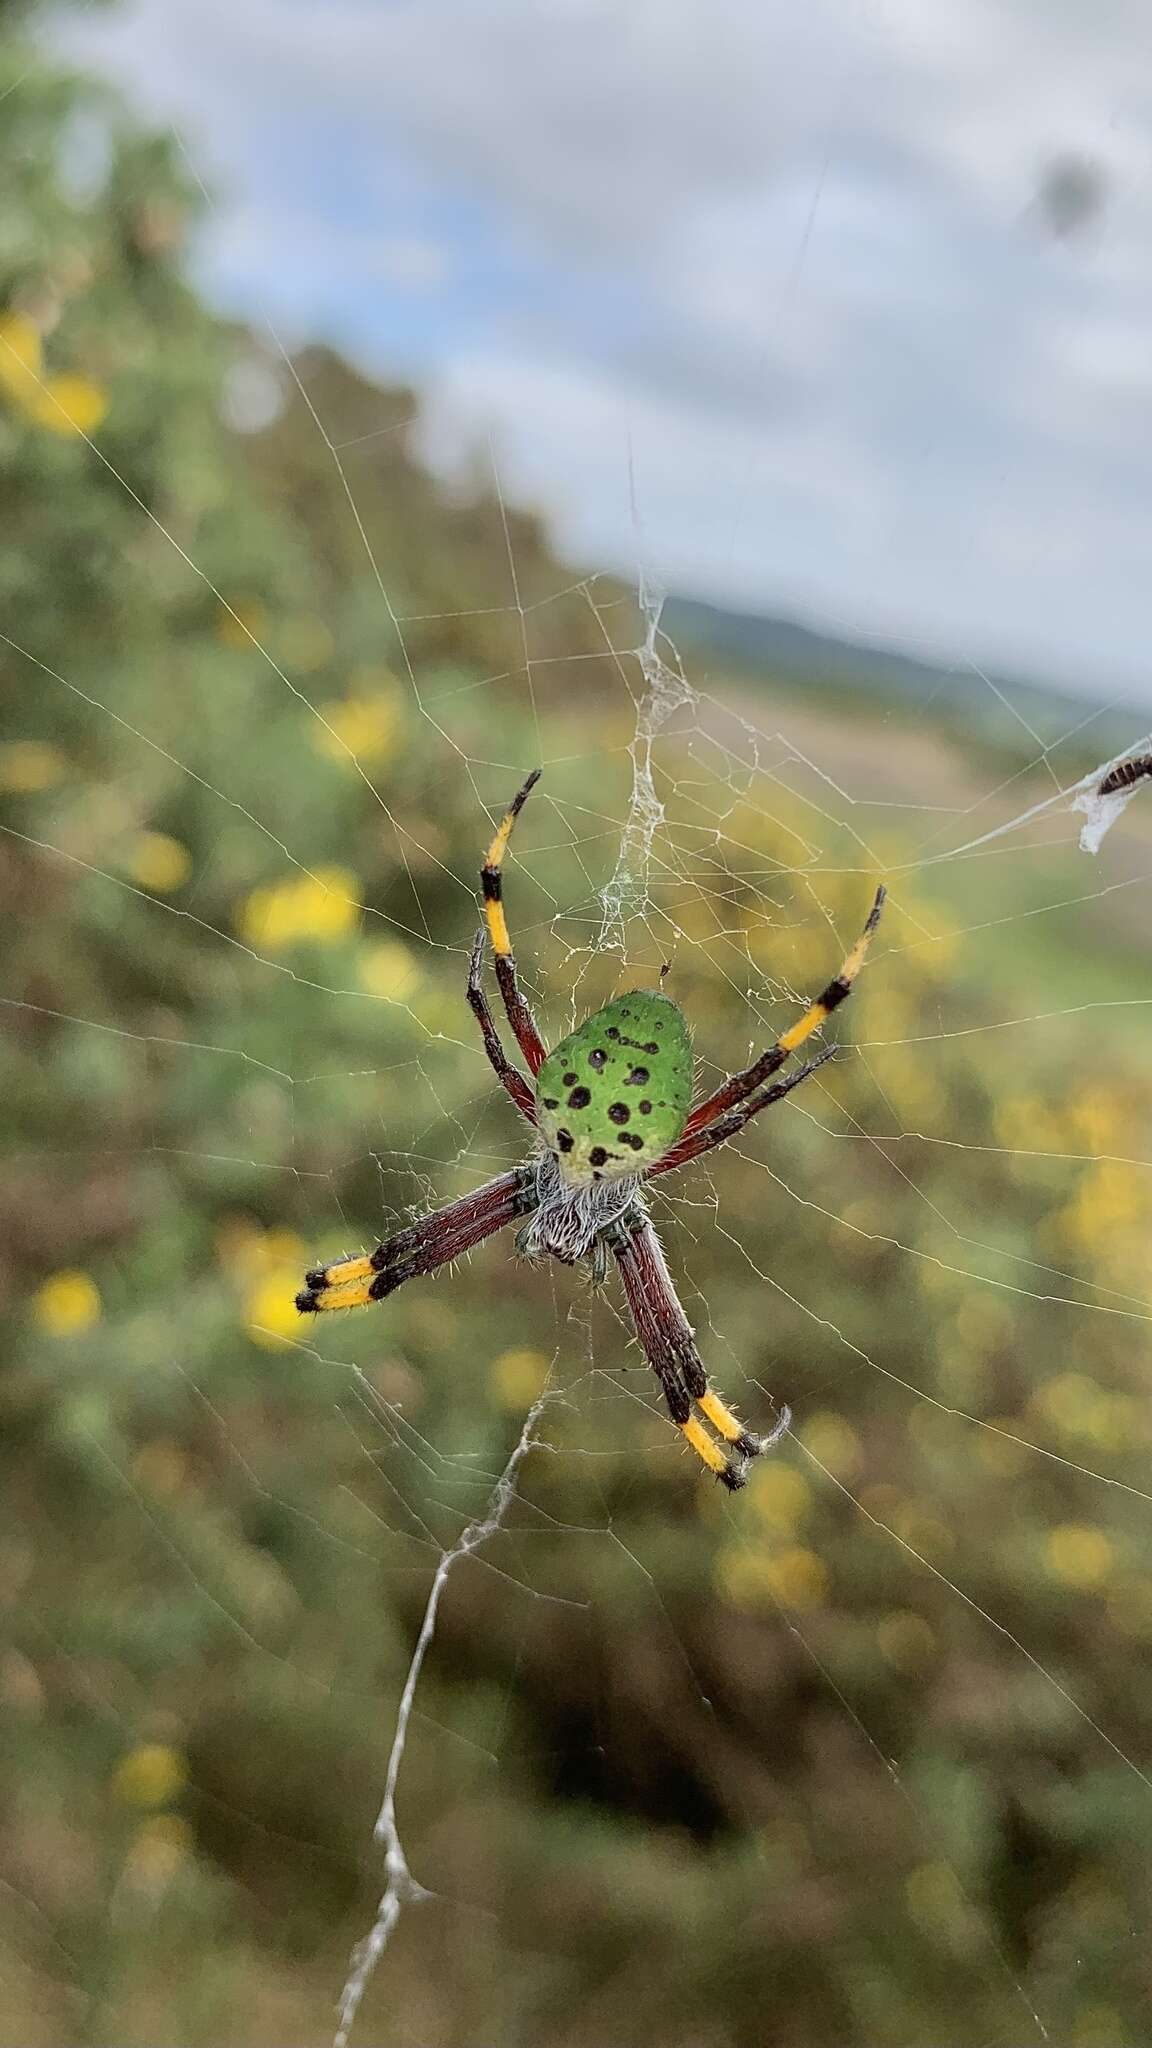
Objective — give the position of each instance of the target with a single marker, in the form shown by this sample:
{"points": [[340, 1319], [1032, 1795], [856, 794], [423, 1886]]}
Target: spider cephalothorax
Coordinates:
{"points": [[570, 1218], [611, 1108]]}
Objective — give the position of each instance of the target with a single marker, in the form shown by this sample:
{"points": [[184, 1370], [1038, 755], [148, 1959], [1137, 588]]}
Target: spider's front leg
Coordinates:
{"points": [[670, 1347], [421, 1247]]}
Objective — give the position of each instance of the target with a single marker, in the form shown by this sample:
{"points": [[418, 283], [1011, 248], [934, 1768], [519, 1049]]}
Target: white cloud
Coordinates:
{"points": [[414, 263], [793, 256]]}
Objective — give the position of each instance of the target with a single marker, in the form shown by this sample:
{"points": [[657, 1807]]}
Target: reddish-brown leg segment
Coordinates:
{"points": [[669, 1345], [421, 1247], [696, 1142], [505, 1072]]}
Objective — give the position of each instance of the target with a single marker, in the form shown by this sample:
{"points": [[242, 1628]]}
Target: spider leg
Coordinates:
{"points": [[738, 1087], [668, 1343], [421, 1247], [492, 887], [498, 1059], [695, 1144]]}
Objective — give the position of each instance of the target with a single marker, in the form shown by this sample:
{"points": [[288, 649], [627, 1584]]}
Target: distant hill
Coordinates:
{"points": [[800, 655]]}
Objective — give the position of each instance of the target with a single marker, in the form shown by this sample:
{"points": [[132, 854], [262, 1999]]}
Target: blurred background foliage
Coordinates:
{"points": [[816, 1766]]}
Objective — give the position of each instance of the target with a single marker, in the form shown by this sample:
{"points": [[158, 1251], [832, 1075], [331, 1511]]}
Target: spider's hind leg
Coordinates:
{"points": [[744, 1444], [706, 1422]]}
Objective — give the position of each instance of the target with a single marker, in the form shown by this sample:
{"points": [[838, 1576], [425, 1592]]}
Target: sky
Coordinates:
{"points": [[840, 310]]}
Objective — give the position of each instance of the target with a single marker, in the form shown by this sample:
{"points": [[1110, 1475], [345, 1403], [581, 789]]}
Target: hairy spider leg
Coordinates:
{"points": [[739, 1086], [669, 1345], [435, 1240], [492, 888], [734, 1120], [498, 1060]]}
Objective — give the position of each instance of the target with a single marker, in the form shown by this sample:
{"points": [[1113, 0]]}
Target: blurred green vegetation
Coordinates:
{"points": [[816, 1766]]}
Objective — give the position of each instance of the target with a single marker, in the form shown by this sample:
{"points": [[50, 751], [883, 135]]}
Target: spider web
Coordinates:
{"points": [[935, 1253]]}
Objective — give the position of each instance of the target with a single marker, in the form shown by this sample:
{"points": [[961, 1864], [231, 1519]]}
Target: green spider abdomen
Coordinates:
{"points": [[614, 1097]]}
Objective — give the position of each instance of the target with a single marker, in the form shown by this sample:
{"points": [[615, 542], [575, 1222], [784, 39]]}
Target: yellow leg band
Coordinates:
{"points": [[838, 989], [855, 960], [355, 1296], [499, 846], [720, 1416], [497, 928], [347, 1269], [703, 1445], [809, 1022], [490, 875]]}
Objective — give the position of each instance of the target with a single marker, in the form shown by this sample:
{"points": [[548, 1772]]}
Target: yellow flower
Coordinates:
{"points": [[159, 1849], [365, 728], [1101, 1118], [66, 404], [279, 1248], [252, 1251], [241, 624], [437, 1010], [159, 863], [934, 1896], [388, 969], [67, 1304], [921, 1531], [151, 1775], [905, 1640], [932, 954], [1099, 2026], [270, 1315], [1081, 1408], [268, 1265], [799, 1579], [833, 1443], [28, 765], [160, 1467], [1079, 1554], [1027, 1123], [791, 1578], [1109, 1197], [70, 405], [320, 906], [998, 1447], [516, 1378], [778, 1495], [20, 354], [267, 1268]]}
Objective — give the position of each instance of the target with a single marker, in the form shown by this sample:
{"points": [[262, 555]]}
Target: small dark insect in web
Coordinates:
{"points": [[1126, 774]]}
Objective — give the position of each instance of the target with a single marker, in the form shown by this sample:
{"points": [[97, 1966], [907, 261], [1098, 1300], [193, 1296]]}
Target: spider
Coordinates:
{"points": [[611, 1109]]}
